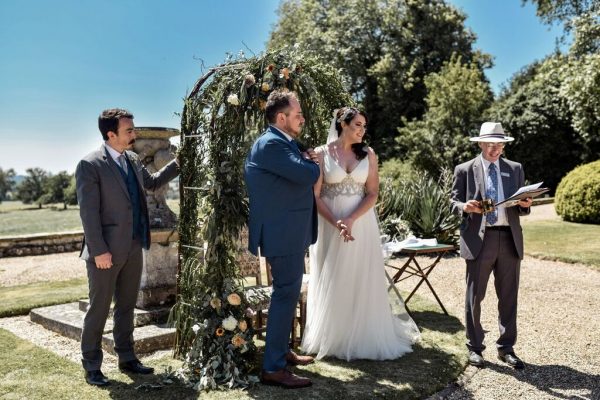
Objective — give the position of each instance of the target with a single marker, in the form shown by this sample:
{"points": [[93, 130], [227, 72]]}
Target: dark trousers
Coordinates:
{"points": [[499, 256], [287, 274], [123, 282]]}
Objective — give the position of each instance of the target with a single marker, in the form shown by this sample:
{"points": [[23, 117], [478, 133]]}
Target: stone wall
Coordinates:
{"points": [[40, 243]]}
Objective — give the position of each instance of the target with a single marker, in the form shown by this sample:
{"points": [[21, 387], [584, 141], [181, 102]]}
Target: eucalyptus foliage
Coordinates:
{"points": [[223, 114]]}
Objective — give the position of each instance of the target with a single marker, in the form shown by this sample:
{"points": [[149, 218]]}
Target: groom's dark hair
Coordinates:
{"points": [[278, 101], [109, 120]]}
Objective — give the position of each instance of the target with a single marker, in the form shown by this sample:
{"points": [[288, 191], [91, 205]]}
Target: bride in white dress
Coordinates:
{"points": [[348, 311]]}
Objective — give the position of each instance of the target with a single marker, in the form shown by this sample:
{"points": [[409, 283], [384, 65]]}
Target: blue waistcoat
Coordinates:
{"points": [[139, 218]]}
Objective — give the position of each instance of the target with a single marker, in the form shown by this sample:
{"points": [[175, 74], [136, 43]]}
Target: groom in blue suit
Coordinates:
{"points": [[283, 223]]}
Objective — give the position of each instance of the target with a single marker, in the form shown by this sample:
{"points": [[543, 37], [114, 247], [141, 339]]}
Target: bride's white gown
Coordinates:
{"points": [[348, 311]]}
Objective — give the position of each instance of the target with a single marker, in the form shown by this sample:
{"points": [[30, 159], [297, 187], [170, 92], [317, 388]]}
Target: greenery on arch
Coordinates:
{"points": [[222, 115]]}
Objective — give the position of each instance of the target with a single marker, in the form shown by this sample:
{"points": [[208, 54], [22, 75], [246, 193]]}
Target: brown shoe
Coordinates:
{"points": [[296, 359], [285, 379]]}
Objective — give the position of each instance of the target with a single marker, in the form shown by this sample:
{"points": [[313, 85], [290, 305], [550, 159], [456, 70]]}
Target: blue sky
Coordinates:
{"points": [[63, 61]]}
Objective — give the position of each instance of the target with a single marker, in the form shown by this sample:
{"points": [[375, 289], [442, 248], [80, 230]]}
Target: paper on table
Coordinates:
{"points": [[526, 191], [391, 247]]}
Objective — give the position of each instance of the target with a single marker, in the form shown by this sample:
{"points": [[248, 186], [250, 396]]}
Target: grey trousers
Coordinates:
{"points": [[499, 256], [123, 282]]}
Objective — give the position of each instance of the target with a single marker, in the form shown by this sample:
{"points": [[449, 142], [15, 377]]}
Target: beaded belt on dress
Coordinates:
{"points": [[347, 187]]}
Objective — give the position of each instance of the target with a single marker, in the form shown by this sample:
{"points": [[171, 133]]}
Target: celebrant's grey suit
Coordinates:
{"points": [[490, 249], [114, 215], [283, 223]]}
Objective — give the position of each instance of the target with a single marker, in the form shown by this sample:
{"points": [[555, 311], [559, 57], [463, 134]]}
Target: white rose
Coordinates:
{"points": [[233, 99], [230, 323], [196, 328]]}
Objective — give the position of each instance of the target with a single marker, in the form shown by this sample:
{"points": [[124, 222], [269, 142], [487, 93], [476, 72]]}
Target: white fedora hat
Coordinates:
{"points": [[491, 132]]}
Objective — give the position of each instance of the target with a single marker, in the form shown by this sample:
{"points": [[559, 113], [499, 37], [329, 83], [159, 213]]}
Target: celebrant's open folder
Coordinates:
{"points": [[526, 191]]}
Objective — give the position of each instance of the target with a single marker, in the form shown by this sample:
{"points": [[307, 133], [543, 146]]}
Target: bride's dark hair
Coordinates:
{"points": [[347, 114]]}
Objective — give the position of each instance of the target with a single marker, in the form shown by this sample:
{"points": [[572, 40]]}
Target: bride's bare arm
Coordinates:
{"points": [[372, 191]]}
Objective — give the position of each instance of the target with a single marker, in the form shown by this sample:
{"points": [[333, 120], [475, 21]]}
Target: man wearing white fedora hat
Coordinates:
{"points": [[492, 242]]}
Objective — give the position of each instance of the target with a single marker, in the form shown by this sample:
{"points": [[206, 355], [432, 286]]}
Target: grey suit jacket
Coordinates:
{"points": [[104, 203], [469, 184]]}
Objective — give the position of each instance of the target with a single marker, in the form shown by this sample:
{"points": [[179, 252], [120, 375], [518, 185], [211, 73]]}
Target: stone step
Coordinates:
{"points": [[153, 315], [67, 320]]}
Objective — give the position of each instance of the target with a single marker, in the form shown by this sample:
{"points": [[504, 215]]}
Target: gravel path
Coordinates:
{"points": [[559, 325]]}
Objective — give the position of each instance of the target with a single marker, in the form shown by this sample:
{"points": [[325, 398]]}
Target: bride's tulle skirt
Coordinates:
{"points": [[348, 311]]}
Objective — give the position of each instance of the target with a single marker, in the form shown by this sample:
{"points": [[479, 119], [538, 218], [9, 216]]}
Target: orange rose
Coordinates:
{"points": [[237, 341], [220, 332], [285, 72]]}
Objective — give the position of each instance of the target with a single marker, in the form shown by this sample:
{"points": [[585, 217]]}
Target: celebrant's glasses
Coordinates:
{"points": [[494, 145]]}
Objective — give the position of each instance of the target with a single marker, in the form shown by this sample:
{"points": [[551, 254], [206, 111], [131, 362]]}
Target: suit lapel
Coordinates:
{"points": [[112, 166], [478, 174], [507, 182]]}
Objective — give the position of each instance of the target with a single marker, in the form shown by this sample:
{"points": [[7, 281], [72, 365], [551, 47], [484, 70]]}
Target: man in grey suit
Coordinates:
{"points": [[110, 191], [492, 242]]}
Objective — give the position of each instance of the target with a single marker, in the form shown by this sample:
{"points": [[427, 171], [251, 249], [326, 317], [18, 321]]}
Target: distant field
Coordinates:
{"points": [[17, 218]]}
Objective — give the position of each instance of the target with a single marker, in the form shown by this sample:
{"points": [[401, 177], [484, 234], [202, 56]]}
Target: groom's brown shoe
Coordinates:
{"points": [[296, 359], [285, 379]]}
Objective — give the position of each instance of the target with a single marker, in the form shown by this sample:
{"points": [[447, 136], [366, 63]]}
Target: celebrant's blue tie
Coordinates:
{"points": [[492, 193]]}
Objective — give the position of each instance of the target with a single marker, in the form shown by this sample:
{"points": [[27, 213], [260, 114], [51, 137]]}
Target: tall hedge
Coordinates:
{"points": [[578, 194]]}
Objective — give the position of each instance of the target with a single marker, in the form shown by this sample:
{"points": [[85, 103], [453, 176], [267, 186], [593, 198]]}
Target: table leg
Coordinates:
{"points": [[424, 276]]}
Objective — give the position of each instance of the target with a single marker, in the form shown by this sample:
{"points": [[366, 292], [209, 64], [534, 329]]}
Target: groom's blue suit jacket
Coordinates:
{"points": [[283, 214]]}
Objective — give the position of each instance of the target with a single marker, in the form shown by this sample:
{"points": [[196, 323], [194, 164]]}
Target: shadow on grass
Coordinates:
{"points": [[437, 359], [559, 381], [436, 321]]}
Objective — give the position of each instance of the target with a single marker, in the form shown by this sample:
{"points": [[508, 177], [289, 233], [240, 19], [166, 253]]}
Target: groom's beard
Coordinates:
{"points": [[293, 132]]}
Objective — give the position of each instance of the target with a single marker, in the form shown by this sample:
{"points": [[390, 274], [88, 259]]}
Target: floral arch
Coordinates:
{"points": [[222, 116]]}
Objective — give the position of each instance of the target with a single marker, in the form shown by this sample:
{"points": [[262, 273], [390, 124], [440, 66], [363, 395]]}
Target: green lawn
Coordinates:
{"points": [[27, 371], [17, 218], [19, 300], [563, 241]]}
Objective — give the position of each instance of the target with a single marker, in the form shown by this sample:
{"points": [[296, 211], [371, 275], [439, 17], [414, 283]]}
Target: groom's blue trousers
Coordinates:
{"points": [[287, 274]]}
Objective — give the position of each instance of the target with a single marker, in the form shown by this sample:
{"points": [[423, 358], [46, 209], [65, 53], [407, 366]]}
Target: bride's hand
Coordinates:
{"points": [[345, 227]]}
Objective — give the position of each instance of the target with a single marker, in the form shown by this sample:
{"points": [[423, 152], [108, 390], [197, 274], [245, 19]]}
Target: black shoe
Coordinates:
{"points": [[512, 360], [96, 378], [476, 359], [135, 367]]}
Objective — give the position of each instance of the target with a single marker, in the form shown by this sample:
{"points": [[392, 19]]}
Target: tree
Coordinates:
{"points": [[55, 187], [457, 97], [535, 113], [6, 182], [551, 11], [31, 189], [70, 192], [385, 48]]}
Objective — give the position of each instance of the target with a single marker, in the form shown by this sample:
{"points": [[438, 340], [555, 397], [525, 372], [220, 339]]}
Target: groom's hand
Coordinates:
{"points": [[310, 154], [103, 261]]}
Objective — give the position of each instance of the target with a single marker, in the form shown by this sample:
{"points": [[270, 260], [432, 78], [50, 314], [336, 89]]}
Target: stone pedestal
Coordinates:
{"points": [[159, 276]]}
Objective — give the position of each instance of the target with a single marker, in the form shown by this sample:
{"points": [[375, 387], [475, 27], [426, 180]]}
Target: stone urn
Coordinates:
{"points": [[155, 151], [159, 274]]}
